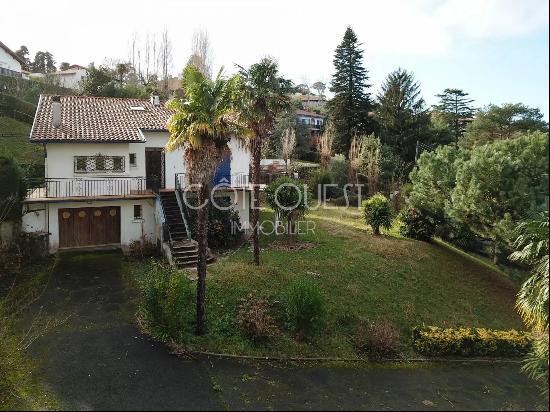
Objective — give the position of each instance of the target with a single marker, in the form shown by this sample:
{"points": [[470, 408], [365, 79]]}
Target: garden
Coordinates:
{"points": [[352, 295]]}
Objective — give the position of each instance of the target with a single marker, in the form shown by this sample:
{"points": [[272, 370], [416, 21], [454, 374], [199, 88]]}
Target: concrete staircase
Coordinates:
{"points": [[185, 251]]}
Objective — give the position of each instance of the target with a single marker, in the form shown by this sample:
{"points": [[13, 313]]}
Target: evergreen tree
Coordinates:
{"points": [[349, 109], [502, 122], [456, 108], [23, 53], [43, 63], [402, 114]]}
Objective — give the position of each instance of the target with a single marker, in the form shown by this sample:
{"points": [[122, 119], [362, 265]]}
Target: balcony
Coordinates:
{"points": [[233, 181], [94, 188]]}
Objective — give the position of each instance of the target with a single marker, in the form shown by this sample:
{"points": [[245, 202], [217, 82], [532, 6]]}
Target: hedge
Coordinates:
{"points": [[471, 342], [17, 109]]}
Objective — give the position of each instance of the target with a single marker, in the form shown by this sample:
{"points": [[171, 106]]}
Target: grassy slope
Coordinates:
{"points": [[363, 277], [18, 146]]}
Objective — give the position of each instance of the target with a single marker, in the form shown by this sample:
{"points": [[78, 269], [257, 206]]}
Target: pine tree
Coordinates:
{"points": [[349, 109], [457, 109], [403, 118]]}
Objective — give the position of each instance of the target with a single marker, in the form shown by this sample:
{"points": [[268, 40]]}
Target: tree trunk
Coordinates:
{"points": [[376, 230], [496, 254], [202, 236], [256, 157]]}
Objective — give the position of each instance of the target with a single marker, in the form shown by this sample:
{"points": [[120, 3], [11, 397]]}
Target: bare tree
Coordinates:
{"points": [[371, 161], [151, 59], [288, 146], [165, 57], [355, 158], [201, 53], [325, 146]]}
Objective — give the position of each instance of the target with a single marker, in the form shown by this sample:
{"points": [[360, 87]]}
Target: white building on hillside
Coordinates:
{"points": [[71, 77], [10, 63], [109, 180]]}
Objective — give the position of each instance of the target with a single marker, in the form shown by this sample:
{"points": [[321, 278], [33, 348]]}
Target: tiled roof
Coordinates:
{"points": [[309, 114], [97, 119]]}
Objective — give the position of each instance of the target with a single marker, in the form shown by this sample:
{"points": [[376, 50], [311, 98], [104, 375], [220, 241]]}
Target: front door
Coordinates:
{"points": [[154, 168], [89, 226]]}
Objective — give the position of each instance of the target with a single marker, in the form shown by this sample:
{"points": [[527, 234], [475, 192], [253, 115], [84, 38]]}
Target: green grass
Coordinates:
{"points": [[362, 276], [19, 387], [14, 141]]}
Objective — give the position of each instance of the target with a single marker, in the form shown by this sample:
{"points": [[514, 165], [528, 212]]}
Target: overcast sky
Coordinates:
{"points": [[497, 50]]}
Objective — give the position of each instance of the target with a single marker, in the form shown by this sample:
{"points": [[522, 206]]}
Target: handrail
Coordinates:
{"points": [[86, 187], [180, 202], [163, 216], [237, 180]]}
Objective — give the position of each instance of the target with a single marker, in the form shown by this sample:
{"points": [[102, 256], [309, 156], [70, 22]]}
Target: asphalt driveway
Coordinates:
{"points": [[98, 360]]}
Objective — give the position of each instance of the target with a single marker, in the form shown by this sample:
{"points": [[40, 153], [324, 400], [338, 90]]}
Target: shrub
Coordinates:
{"points": [[168, 297], [379, 339], [351, 200], [434, 341], [378, 212], [460, 235], [221, 222], [17, 109], [318, 181], [339, 170], [305, 308], [417, 224], [142, 249], [12, 189], [255, 321], [289, 198]]}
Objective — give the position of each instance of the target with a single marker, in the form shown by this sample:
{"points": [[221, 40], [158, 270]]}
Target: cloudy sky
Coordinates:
{"points": [[497, 50]]}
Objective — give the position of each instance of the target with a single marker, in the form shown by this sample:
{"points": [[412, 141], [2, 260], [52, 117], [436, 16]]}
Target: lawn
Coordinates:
{"points": [[14, 141], [362, 277]]}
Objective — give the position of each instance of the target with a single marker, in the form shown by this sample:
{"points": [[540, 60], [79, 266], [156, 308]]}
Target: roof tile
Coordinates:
{"points": [[97, 119]]}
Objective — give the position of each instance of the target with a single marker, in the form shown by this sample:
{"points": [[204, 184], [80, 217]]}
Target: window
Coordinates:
{"points": [[98, 163], [138, 212], [133, 162]]}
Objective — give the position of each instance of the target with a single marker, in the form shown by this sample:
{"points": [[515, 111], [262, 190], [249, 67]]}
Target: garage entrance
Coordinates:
{"points": [[89, 226]]}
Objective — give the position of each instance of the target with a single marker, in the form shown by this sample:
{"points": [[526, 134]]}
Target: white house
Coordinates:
{"points": [[10, 63], [71, 77], [109, 180]]}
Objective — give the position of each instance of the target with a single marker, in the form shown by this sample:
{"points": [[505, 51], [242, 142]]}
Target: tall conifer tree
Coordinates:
{"points": [[456, 108], [350, 107]]}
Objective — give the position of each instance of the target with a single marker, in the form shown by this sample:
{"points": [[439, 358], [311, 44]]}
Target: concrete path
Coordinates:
{"points": [[98, 360]]}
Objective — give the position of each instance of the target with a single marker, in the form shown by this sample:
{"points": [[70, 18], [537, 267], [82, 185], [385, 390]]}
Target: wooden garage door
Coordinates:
{"points": [[89, 226]]}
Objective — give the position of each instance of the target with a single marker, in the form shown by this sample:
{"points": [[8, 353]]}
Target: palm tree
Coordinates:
{"points": [[532, 249], [203, 123], [264, 94]]}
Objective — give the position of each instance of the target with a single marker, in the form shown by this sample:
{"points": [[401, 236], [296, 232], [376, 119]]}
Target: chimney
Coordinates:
{"points": [[56, 111], [155, 99]]}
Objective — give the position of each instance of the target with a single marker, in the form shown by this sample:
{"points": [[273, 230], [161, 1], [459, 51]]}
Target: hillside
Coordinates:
{"points": [[14, 141]]}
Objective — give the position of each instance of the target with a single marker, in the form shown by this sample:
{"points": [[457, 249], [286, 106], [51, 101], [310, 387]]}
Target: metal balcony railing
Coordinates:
{"points": [[86, 187], [236, 180]]}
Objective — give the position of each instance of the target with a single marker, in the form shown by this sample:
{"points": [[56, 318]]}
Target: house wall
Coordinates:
{"points": [[60, 158], [8, 62], [173, 161], [241, 201], [71, 80], [34, 218], [130, 228]]}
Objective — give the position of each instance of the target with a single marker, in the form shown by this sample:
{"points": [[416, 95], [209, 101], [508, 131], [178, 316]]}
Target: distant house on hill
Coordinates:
{"points": [[312, 101], [314, 121], [10, 63], [69, 78]]}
